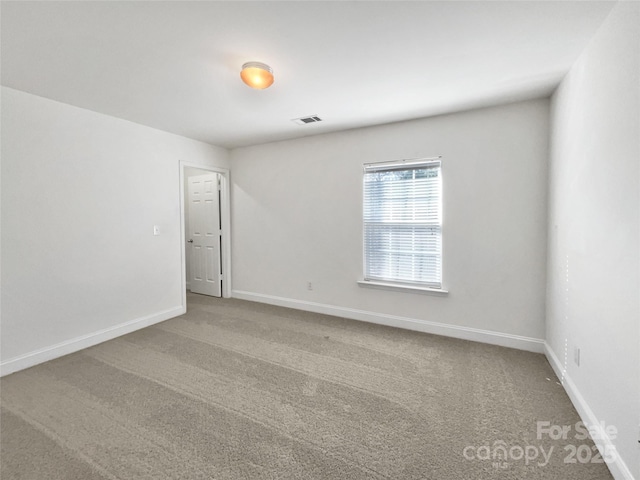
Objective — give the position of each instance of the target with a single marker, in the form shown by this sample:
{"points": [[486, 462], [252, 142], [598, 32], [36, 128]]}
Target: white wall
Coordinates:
{"points": [[594, 242], [81, 192], [296, 217]]}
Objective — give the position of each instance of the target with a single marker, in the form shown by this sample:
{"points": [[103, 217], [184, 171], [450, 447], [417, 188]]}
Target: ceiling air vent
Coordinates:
{"points": [[305, 120]]}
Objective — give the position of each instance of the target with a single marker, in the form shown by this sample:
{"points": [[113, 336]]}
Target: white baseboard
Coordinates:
{"points": [[618, 467], [466, 333], [75, 344]]}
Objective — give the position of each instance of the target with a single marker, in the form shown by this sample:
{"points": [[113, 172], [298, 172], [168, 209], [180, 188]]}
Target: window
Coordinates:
{"points": [[403, 223]]}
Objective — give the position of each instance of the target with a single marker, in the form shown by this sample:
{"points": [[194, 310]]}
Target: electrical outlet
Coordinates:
{"points": [[309, 286], [156, 230], [576, 355]]}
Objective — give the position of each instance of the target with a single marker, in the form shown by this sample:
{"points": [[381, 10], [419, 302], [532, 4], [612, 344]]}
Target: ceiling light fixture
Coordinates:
{"points": [[257, 75]]}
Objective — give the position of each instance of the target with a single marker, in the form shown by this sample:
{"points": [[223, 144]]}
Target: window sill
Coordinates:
{"points": [[402, 288]]}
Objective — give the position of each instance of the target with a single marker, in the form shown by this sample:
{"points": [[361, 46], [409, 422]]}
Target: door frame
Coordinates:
{"points": [[225, 220]]}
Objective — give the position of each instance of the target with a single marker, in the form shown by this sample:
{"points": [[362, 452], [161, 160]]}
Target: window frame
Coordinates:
{"points": [[399, 284]]}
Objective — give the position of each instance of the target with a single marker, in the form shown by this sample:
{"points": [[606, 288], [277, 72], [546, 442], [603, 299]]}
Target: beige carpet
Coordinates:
{"points": [[238, 390]]}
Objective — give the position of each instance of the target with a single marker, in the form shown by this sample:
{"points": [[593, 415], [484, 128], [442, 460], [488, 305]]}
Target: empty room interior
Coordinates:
{"points": [[320, 240]]}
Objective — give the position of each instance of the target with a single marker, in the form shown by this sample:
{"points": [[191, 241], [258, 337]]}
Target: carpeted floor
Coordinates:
{"points": [[239, 390]]}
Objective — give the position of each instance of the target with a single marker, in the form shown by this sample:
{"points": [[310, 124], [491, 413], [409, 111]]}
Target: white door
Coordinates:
{"points": [[204, 234]]}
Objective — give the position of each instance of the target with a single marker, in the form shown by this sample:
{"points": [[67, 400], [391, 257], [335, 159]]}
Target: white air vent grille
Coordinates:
{"points": [[307, 119]]}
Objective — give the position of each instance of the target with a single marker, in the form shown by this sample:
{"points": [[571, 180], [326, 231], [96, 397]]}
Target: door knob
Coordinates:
{"points": [[190, 241]]}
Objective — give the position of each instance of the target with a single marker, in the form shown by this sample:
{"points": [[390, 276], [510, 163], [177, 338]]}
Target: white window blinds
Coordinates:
{"points": [[402, 223]]}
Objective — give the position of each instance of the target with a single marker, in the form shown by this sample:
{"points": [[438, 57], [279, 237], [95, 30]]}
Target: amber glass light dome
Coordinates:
{"points": [[257, 75]]}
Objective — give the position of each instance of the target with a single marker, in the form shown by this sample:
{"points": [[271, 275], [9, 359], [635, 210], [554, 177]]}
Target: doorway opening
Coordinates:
{"points": [[205, 230]]}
